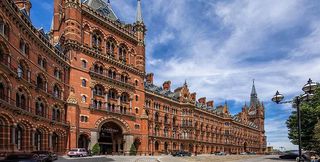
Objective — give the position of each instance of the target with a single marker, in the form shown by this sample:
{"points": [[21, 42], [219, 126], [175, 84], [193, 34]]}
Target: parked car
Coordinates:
{"points": [[181, 153], [243, 153], [22, 157], [289, 155], [220, 153], [79, 152], [46, 156]]}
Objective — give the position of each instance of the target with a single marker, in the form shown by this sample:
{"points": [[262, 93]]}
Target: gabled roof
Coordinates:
{"points": [[103, 8]]}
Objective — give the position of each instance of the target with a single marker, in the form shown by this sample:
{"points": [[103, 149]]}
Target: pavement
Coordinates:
{"points": [[166, 158]]}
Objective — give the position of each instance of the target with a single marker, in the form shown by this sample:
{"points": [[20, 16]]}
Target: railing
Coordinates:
{"points": [[109, 110], [32, 111]]}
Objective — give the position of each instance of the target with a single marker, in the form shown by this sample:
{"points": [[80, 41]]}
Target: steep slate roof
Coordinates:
{"points": [[159, 90], [102, 7]]}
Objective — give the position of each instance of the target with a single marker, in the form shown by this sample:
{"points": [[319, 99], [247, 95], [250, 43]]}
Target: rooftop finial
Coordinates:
{"points": [[139, 18]]}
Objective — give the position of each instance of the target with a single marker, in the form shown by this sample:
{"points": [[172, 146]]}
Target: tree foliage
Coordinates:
{"points": [[96, 149], [310, 114], [133, 150]]}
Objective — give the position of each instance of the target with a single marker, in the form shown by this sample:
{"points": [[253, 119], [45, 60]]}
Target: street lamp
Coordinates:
{"points": [[308, 90]]}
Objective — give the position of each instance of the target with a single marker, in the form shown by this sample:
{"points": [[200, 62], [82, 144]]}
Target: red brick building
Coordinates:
{"points": [[84, 83]]}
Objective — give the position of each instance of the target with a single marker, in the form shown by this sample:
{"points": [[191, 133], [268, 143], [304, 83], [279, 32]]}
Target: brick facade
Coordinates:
{"points": [[84, 83]]}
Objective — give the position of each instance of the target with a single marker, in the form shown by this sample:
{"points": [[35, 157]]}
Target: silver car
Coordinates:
{"points": [[79, 152]]}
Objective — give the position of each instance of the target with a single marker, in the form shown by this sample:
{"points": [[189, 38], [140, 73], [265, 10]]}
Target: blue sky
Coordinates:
{"points": [[219, 46]]}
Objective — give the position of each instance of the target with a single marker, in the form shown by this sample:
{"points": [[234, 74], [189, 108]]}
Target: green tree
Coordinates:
{"points": [[316, 137], [310, 113], [133, 150], [96, 149]]}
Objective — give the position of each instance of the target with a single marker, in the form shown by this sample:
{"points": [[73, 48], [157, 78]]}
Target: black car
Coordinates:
{"points": [[45, 156], [181, 153], [22, 158], [289, 155]]}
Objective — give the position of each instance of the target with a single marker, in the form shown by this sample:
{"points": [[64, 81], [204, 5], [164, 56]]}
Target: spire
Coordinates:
{"points": [[139, 18], [253, 90], [254, 97]]}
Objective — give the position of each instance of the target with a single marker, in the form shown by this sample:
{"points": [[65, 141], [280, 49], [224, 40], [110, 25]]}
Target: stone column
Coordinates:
{"points": [[94, 139], [128, 143], [50, 141]]}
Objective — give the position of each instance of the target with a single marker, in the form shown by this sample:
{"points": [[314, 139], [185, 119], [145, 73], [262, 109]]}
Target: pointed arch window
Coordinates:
{"points": [[98, 68], [19, 137], [4, 28], [42, 62], [2, 91], [124, 78], [24, 47], [124, 98], [38, 140], [40, 107], [98, 90], [123, 54], [84, 64], [110, 48], [57, 73], [112, 94], [41, 82], [56, 91], [112, 74], [21, 99], [84, 83], [56, 113], [84, 98], [96, 40]]}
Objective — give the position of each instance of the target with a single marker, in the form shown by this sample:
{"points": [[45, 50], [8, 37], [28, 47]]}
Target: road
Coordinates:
{"points": [[201, 158]]}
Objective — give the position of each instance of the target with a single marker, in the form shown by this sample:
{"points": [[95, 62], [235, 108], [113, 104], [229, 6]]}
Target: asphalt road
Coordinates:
{"points": [[201, 158]]}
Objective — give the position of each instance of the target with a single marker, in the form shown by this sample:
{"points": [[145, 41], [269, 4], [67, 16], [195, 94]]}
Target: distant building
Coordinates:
{"points": [[84, 83]]}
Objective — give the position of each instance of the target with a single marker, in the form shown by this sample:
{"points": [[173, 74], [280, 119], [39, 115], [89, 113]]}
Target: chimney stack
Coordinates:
{"points": [[166, 85], [210, 104], [202, 100], [149, 78]]}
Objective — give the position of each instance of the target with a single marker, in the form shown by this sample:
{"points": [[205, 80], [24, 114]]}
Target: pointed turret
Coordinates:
{"points": [[139, 18], [253, 97]]}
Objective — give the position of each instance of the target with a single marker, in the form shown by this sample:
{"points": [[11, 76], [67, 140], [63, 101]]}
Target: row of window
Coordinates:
{"points": [[110, 47]]}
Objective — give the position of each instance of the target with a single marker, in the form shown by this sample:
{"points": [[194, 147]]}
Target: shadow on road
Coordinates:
{"points": [[98, 159], [278, 159]]}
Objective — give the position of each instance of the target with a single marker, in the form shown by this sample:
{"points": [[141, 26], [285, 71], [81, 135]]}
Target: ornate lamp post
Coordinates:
{"points": [[308, 89]]}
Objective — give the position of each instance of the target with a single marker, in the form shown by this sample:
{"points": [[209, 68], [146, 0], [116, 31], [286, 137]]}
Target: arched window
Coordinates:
{"points": [[98, 90], [122, 54], [156, 117], [84, 64], [55, 142], [23, 71], [110, 48], [98, 68], [165, 132], [21, 99], [57, 73], [24, 48], [112, 74], [41, 82], [56, 91], [84, 83], [84, 98], [112, 94], [96, 40], [42, 62], [2, 91], [137, 97], [40, 107], [124, 97], [124, 78], [4, 28], [156, 145], [56, 113], [38, 140], [19, 137]]}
